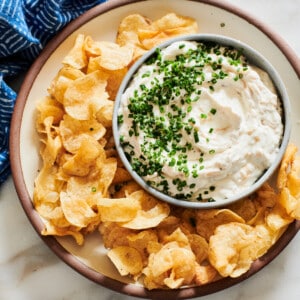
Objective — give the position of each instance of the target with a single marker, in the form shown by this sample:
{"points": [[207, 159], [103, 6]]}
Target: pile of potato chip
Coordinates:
{"points": [[83, 186]]}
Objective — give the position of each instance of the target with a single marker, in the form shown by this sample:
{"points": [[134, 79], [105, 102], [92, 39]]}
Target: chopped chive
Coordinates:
{"points": [[213, 111]]}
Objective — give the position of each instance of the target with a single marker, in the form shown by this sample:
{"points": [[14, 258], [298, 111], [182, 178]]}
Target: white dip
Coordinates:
{"points": [[198, 123]]}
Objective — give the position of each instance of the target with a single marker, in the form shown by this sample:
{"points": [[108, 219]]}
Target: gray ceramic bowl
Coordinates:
{"points": [[253, 58]]}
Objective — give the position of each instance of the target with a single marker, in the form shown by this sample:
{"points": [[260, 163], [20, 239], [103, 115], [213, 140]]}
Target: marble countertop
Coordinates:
{"points": [[29, 270]]}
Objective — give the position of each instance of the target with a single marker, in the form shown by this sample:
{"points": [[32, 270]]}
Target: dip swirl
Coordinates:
{"points": [[198, 123]]}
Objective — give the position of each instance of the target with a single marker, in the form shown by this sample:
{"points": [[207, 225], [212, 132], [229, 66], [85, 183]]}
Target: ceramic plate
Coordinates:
{"points": [[101, 23]]}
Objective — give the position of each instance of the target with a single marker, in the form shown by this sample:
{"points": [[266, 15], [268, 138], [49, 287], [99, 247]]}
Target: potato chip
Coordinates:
{"points": [[128, 33], [57, 231], [76, 57], [266, 196], [107, 169], [91, 47], [118, 210], [77, 211], [288, 182], [62, 81], [151, 214], [171, 266], [140, 241], [168, 26], [278, 218], [133, 23], [52, 143], [293, 183], [131, 38], [188, 221], [121, 175], [168, 226], [205, 274], [234, 247], [49, 107], [126, 259], [53, 213], [105, 114], [290, 203], [85, 96], [114, 81], [73, 132], [288, 158], [113, 56], [172, 20], [84, 188], [209, 220], [177, 236], [47, 186], [81, 162], [199, 246], [245, 208], [125, 189], [113, 235], [228, 249]]}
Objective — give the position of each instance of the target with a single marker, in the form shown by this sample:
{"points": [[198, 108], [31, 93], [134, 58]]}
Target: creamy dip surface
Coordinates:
{"points": [[198, 123]]}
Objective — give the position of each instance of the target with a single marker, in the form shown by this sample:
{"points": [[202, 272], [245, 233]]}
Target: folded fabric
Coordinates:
{"points": [[25, 27]]}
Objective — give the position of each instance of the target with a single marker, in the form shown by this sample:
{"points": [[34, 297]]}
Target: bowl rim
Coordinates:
{"points": [[253, 57], [34, 218]]}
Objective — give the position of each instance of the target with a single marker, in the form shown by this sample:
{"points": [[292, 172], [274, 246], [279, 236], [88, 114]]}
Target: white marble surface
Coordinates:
{"points": [[29, 270]]}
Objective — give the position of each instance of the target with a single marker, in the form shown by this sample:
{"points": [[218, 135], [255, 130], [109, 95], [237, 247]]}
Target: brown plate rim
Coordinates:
{"points": [[54, 245]]}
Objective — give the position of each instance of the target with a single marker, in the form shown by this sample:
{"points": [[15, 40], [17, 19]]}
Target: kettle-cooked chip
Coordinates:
{"points": [[209, 220], [118, 210], [288, 158], [65, 76], [293, 182], [52, 143], [107, 168], [229, 248], [205, 274], [171, 266], [278, 219], [172, 21], [133, 23], [199, 246], [105, 114], [290, 203], [51, 229], [47, 186], [76, 57], [234, 247], [126, 259], [168, 26], [49, 107], [121, 175], [114, 56], [77, 211], [80, 163], [141, 241], [152, 211], [86, 95], [73, 132]]}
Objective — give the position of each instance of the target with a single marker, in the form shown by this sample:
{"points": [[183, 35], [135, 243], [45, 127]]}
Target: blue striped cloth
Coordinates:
{"points": [[25, 27]]}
